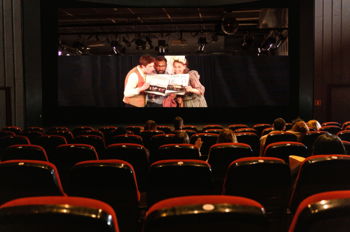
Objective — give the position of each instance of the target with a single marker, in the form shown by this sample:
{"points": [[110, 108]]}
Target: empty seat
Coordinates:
{"points": [[23, 178], [176, 151], [65, 133], [173, 178], [331, 124], [283, 150], [259, 127], [125, 138], [279, 136], [79, 130], [220, 157], [32, 134], [7, 141], [323, 212], [5, 133], [157, 140], [16, 129], [249, 138], [95, 140], [331, 129], [34, 128], [57, 214], [49, 142], [26, 152], [212, 126], [344, 135], [111, 181], [135, 154], [234, 127], [320, 173], [206, 214], [135, 129], [246, 129], [264, 179]]}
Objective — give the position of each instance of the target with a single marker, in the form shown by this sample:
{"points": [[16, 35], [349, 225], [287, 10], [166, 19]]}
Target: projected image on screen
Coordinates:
{"points": [[174, 57]]}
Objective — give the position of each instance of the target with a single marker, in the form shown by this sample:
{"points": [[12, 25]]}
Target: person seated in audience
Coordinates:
{"points": [[226, 136], [299, 128], [279, 124], [150, 125], [313, 125], [181, 137], [178, 123], [328, 144]]}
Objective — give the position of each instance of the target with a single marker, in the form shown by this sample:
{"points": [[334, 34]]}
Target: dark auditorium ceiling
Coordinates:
{"points": [[98, 27]]}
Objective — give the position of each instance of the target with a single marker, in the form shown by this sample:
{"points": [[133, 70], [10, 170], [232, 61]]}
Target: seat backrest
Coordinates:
{"points": [[147, 135], [46, 213], [135, 154], [173, 178], [49, 142], [166, 129], [176, 151], [264, 179], [24, 178], [220, 157], [279, 136], [249, 138], [260, 127], [344, 135], [331, 129], [111, 181], [234, 127], [246, 129], [283, 150], [206, 214], [212, 126], [309, 139], [125, 138], [95, 140], [208, 140], [323, 212], [16, 129], [320, 173], [25, 151]]}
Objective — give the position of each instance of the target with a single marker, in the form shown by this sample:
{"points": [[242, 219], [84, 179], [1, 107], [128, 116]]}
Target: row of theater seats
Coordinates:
{"points": [[323, 212], [264, 179]]}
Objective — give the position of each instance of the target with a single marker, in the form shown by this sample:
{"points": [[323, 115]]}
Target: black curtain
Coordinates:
{"points": [[230, 81]]}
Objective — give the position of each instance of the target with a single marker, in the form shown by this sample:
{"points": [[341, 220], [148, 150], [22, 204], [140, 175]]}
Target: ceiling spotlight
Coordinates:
{"points": [[202, 42], [162, 47], [140, 44]]}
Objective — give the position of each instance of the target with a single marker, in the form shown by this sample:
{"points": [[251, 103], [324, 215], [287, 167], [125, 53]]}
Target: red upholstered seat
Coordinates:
{"points": [[283, 150], [26, 152], [56, 214]]}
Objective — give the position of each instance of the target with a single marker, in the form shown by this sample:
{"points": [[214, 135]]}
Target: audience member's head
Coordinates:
{"points": [[328, 144], [300, 126], [226, 136], [178, 123], [279, 124], [181, 137], [150, 125], [314, 125]]}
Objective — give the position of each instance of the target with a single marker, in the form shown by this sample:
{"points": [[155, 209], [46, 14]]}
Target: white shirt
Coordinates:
{"points": [[131, 85]]}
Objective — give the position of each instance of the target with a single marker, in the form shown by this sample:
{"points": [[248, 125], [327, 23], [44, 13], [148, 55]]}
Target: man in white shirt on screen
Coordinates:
{"points": [[135, 85]]}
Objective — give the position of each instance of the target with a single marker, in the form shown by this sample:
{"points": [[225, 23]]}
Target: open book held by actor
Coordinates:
{"points": [[164, 84]]}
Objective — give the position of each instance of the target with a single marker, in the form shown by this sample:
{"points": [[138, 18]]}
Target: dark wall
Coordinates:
{"points": [[332, 55]]}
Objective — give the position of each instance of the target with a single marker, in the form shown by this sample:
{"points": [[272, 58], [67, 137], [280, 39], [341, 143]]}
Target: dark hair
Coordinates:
{"points": [[279, 124], [181, 137], [178, 123], [161, 58], [146, 59], [150, 125], [328, 144], [300, 126], [226, 136]]}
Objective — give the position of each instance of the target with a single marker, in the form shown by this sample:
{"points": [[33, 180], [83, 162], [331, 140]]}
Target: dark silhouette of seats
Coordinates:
{"points": [[259, 127], [95, 140], [24, 178], [158, 140], [309, 139], [176, 151], [320, 173], [166, 129], [234, 127], [49, 142], [111, 181], [264, 179], [135, 154], [57, 214], [25, 152], [32, 134], [56, 128], [323, 212], [65, 133], [16, 129], [220, 157], [266, 130], [211, 126], [347, 146], [344, 135], [7, 141], [331, 129], [216, 131], [174, 178], [279, 136], [34, 128], [206, 214], [333, 123], [345, 124], [147, 135], [249, 138], [246, 130], [5, 133], [190, 127], [125, 138], [188, 131], [135, 129], [208, 140], [283, 150], [79, 130]]}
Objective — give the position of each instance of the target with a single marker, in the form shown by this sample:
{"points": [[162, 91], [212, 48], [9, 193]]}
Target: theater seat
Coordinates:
{"points": [[176, 151], [173, 178], [24, 178], [57, 214], [323, 212], [7, 141], [344, 135], [208, 140], [333, 129], [318, 174], [279, 136], [283, 150], [206, 214], [25, 151], [111, 181], [125, 138]]}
